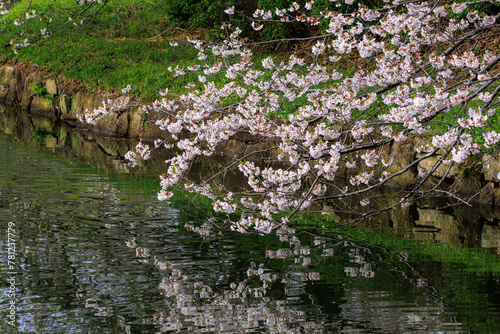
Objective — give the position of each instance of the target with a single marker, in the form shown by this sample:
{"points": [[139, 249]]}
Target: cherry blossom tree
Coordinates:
{"points": [[337, 120], [427, 76]]}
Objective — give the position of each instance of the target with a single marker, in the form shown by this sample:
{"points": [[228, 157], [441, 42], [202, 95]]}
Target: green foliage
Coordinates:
{"points": [[41, 90], [211, 15], [38, 89], [40, 136], [199, 13], [486, 8]]}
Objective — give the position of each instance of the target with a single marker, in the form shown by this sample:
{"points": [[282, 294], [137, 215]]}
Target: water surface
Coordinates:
{"points": [[97, 253]]}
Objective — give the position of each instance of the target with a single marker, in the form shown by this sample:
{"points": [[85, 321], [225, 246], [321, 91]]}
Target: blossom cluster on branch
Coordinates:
{"points": [[421, 66]]}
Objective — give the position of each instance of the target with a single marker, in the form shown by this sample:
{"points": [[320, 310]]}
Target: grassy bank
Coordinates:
{"points": [[127, 43]]}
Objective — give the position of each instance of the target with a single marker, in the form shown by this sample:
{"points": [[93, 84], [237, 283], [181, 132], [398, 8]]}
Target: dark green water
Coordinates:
{"points": [[97, 253]]}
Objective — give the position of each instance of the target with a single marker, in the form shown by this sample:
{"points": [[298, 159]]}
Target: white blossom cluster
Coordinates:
{"points": [[91, 117], [3, 8]]}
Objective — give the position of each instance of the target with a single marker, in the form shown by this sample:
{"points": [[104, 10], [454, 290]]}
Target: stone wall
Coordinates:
{"points": [[31, 90], [25, 86]]}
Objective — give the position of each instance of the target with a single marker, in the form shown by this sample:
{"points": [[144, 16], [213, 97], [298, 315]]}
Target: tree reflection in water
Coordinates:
{"points": [[273, 301]]}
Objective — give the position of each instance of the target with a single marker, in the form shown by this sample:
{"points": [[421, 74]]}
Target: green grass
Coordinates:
{"points": [[128, 43]]}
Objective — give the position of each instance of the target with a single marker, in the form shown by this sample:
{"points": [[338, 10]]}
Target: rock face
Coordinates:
{"points": [[427, 165], [491, 167], [8, 81], [51, 87], [432, 221], [51, 97]]}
